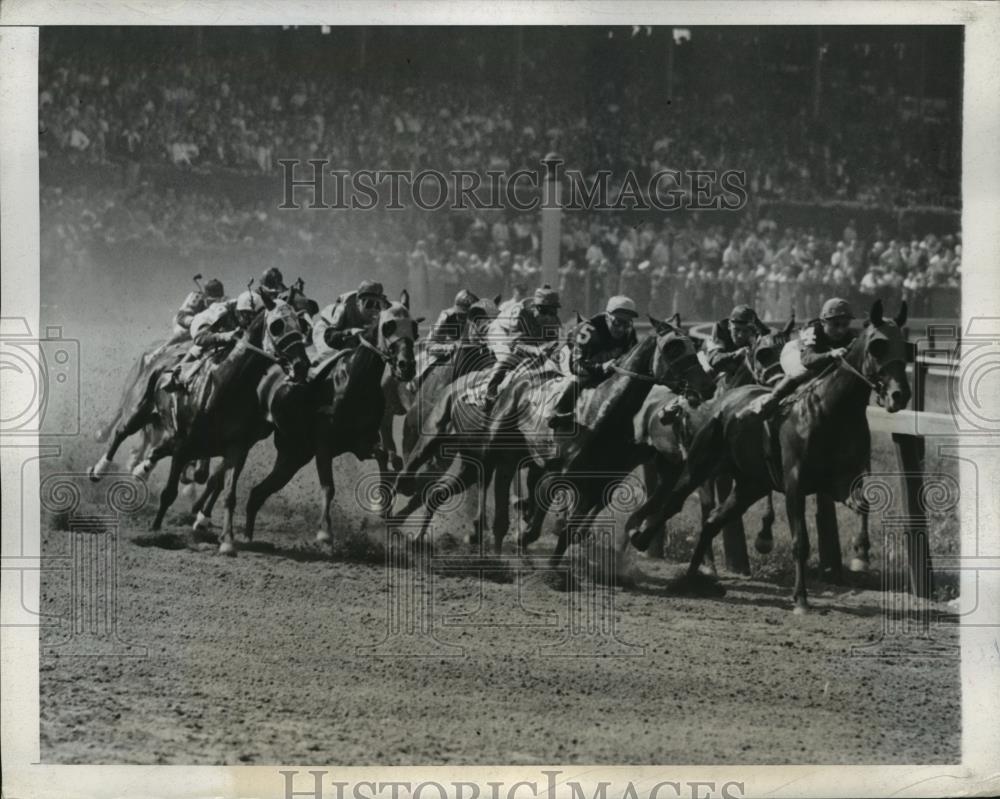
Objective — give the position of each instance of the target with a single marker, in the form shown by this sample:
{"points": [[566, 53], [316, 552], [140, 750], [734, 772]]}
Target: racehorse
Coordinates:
{"points": [[515, 433], [669, 437], [225, 410], [818, 442], [340, 412]]}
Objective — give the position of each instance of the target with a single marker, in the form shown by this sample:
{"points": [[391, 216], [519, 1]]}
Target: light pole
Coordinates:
{"points": [[551, 219]]}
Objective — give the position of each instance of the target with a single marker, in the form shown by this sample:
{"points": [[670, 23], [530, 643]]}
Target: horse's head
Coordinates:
{"points": [[397, 334], [676, 364], [284, 337], [765, 354], [881, 350]]}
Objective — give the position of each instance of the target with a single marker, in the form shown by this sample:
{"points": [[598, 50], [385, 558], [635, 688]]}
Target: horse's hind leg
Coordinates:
{"points": [[708, 447], [128, 427], [764, 542], [206, 501], [860, 544], [734, 539], [286, 466], [828, 539], [169, 492], [733, 506], [503, 476]]}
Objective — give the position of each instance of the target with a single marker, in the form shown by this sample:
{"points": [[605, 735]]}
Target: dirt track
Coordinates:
{"points": [[257, 660]]}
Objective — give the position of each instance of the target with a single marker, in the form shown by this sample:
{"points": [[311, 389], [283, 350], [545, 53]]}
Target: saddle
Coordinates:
{"points": [[321, 366]]}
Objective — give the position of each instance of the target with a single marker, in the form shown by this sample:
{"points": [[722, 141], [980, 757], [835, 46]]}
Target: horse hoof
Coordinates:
{"points": [[227, 548], [397, 463], [94, 477], [708, 571], [763, 545], [800, 609], [639, 539], [202, 522], [859, 565], [322, 537], [142, 470]]}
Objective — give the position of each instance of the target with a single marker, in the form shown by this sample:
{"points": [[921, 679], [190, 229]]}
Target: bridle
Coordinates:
{"points": [[679, 385]]}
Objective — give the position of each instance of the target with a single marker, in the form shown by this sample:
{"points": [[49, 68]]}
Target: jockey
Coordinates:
{"points": [[599, 341], [194, 303], [521, 327], [340, 323], [451, 323], [214, 329], [732, 338], [823, 341], [273, 284]]}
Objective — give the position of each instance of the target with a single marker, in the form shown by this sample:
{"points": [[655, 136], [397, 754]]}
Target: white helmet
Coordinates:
{"points": [[246, 302]]}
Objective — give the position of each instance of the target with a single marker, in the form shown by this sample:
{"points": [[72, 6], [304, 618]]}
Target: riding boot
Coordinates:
{"points": [[174, 383], [563, 411]]}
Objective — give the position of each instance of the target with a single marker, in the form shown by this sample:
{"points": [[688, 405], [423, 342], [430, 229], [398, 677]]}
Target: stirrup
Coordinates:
{"points": [[173, 384], [561, 419]]}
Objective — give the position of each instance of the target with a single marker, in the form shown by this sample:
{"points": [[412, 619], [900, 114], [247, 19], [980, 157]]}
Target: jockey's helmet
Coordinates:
{"points": [[546, 297], [370, 288], [621, 305], [742, 315], [273, 280], [214, 289], [465, 299], [836, 308]]}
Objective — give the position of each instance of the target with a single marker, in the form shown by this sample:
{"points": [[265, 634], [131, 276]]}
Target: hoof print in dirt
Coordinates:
{"points": [[562, 581]]}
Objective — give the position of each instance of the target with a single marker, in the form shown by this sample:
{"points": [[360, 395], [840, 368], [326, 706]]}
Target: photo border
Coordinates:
{"points": [[25, 777]]}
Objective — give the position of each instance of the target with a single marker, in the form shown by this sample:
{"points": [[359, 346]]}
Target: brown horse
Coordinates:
{"points": [[225, 410], [819, 442], [667, 439], [515, 433], [340, 412]]}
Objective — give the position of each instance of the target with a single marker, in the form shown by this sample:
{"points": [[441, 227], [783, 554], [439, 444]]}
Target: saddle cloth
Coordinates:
{"points": [[475, 394]]}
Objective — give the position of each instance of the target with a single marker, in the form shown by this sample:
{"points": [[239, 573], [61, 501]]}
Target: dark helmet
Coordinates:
{"points": [[836, 308], [743, 314], [214, 289], [547, 296], [465, 299], [273, 280], [370, 288]]}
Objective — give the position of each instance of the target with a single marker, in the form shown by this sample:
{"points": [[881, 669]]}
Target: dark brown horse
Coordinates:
{"points": [[340, 412], [516, 433], [818, 442], [225, 409], [668, 440]]}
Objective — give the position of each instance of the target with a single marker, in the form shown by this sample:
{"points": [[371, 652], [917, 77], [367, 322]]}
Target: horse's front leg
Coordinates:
{"points": [[235, 460], [795, 506], [327, 490]]}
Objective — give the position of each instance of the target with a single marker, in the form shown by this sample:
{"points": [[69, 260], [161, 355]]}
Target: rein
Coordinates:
{"points": [[366, 343]]}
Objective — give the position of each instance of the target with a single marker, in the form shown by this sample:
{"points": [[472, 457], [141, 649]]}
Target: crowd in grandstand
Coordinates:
{"points": [[237, 113], [696, 268]]}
